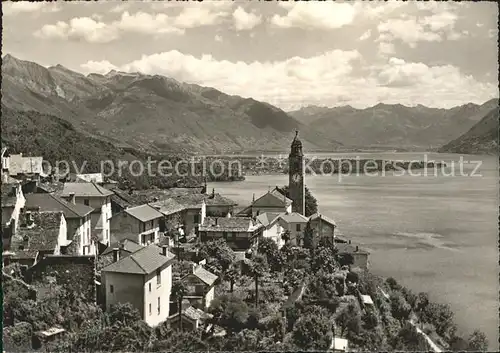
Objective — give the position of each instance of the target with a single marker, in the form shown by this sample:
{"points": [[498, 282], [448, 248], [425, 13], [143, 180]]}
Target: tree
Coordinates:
{"points": [[220, 252], [310, 201], [286, 236], [393, 284], [257, 267], [309, 237], [123, 314], [231, 275], [313, 331], [345, 259], [400, 308], [230, 312], [349, 320], [478, 341], [324, 259], [421, 302], [269, 249], [179, 290]]}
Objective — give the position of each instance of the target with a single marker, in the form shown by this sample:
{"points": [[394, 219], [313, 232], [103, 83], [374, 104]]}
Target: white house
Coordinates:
{"points": [[143, 279], [272, 227], [77, 217], [141, 224], [295, 223], [97, 197], [13, 202], [272, 201]]}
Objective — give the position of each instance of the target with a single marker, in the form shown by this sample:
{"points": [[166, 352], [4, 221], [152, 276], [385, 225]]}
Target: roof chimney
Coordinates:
{"points": [[253, 198], [213, 192], [116, 254], [164, 250], [72, 198], [357, 248], [216, 221], [349, 241]]}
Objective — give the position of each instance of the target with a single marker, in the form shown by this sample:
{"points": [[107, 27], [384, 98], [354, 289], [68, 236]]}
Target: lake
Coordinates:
{"points": [[432, 233]]}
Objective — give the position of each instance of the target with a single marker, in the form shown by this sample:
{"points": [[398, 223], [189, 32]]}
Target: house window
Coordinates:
{"points": [[158, 305], [158, 276], [86, 202], [150, 287], [143, 227], [297, 227], [149, 308], [196, 218], [111, 289], [224, 235]]}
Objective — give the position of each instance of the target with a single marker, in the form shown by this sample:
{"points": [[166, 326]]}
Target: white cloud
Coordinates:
{"points": [[458, 35], [145, 23], [324, 15], [366, 35], [81, 28], [18, 7], [328, 79], [386, 49], [191, 17], [218, 38], [492, 33], [245, 20], [479, 25], [119, 8], [409, 31], [93, 30], [100, 67]]}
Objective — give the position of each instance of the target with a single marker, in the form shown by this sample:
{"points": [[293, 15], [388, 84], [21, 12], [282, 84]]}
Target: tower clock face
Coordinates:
{"points": [[296, 177]]}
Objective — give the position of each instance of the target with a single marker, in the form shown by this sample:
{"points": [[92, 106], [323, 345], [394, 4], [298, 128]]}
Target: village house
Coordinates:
{"points": [[13, 202], [218, 205], [273, 201], [77, 218], [359, 256], [97, 197], [240, 233], [339, 344], [272, 227], [295, 224], [143, 279], [323, 228], [200, 287], [39, 234], [142, 222], [125, 248], [193, 319], [22, 167]]}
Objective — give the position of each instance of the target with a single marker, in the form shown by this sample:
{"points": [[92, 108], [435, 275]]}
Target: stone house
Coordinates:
{"points": [[200, 285]]}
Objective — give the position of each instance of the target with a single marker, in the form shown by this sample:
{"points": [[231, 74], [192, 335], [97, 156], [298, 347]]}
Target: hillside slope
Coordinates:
{"points": [[482, 138], [394, 125], [153, 112]]}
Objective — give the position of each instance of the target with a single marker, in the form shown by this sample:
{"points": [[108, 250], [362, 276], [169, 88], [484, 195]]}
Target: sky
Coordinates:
{"points": [[290, 54]]}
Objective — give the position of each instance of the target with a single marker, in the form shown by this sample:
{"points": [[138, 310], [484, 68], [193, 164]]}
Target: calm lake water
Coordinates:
{"points": [[437, 234]]}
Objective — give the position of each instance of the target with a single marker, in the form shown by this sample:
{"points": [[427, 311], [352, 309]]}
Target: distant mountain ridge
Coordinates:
{"points": [[482, 138], [394, 125], [152, 112]]}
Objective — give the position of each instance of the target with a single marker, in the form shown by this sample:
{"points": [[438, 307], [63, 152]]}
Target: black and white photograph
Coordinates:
{"points": [[249, 176]]}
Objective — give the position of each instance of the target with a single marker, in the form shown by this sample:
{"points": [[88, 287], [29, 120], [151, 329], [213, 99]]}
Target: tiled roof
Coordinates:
{"points": [[143, 261], [218, 200], [23, 254], [168, 206], [350, 249], [323, 218], [9, 198], [42, 235], [50, 202], [52, 187], [127, 245], [231, 224], [206, 276], [144, 213], [268, 217], [11, 180], [293, 217], [120, 201], [92, 177], [19, 164], [272, 198], [196, 314], [85, 189]]}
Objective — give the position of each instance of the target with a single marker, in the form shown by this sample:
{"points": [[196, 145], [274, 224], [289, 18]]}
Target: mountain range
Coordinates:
{"points": [[152, 112], [396, 125], [157, 114], [482, 138]]}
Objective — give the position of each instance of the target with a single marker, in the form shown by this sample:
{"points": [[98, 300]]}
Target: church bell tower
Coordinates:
{"points": [[296, 174]]}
